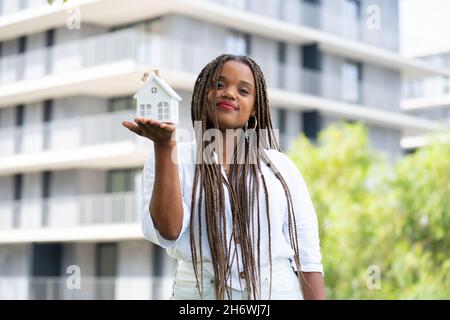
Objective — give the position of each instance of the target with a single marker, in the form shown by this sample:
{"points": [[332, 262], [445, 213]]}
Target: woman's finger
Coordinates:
{"points": [[132, 127]]}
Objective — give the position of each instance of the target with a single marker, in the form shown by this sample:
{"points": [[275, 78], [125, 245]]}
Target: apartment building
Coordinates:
{"points": [[426, 97], [70, 174]]}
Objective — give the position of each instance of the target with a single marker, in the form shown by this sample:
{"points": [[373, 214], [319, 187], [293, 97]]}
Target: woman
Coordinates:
{"points": [[239, 229]]}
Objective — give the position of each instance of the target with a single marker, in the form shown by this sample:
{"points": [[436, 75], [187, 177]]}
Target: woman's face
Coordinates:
{"points": [[235, 96]]}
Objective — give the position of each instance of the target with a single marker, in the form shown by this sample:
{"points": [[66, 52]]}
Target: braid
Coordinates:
{"points": [[209, 184]]}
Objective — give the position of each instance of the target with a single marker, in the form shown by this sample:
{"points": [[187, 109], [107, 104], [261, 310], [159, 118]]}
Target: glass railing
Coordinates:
{"points": [[152, 49], [426, 88], [334, 20], [127, 44], [70, 211], [67, 133], [88, 288], [75, 55]]}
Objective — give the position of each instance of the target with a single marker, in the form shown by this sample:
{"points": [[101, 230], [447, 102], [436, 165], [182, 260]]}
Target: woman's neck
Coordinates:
{"points": [[228, 148]]}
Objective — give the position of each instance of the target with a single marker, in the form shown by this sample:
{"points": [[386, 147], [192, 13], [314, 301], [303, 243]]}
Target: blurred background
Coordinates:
{"points": [[359, 90]]}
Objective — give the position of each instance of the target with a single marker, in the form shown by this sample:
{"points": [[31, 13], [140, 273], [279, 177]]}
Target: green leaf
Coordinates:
{"points": [[375, 213]]}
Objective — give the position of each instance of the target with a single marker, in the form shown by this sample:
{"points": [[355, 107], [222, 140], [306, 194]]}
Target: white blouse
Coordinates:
{"points": [[306, 219]]}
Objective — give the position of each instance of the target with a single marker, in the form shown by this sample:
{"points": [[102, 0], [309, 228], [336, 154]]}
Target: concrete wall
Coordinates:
{"points": [[381, 88], [388, 35]]}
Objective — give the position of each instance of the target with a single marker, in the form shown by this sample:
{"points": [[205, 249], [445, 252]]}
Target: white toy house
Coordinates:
{"points": [[157, 100]]}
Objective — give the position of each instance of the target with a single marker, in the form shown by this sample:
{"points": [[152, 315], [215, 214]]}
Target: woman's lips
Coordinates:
{"points": [[227, 106]]}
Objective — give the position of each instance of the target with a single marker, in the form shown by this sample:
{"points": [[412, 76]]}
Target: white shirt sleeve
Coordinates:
{"points": [[306, 220], [148, 228]]}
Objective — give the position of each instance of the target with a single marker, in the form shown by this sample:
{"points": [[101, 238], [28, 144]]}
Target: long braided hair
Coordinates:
{"points": [[209, 181]]}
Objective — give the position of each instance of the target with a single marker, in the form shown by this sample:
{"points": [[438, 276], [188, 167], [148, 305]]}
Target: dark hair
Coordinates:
{"points": [[211, 181]]}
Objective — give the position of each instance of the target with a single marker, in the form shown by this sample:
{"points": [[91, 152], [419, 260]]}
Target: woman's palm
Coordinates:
{"points": [[159, 132]]}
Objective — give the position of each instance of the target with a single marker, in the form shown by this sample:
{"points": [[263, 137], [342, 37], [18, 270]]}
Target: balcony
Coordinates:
{"points": [[112, 64], [426, 94], [150, 49], [66, 134], [303, 13], [97, 141], [91, 288], [270, 25], [314, 15], [428, 87], [103, 65], [70, 211], [76, 55]]}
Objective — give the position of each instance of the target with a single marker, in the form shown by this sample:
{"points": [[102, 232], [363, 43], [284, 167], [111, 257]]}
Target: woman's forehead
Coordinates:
{"points": [[237, 71]]}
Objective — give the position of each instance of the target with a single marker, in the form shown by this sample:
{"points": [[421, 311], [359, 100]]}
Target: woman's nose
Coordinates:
{"points": [[228, 94]]}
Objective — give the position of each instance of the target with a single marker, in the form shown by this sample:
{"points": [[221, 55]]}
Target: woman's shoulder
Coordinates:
{"points": [[278, 157], [284, 164]]}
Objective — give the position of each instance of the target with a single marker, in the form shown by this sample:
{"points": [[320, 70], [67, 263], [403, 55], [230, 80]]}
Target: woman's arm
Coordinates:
{"points": [[313, 286], [166, 206]]}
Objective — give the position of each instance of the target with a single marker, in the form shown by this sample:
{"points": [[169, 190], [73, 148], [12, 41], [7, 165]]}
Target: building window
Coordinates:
{"points": [[281, 8], [153, 90], [310, 75], [106, 270], [48, 110], [50, 38], [46, 192], [121, 180], [240, 4], [311, 123], [121, 103], [351, 82], [163, 111], [46, 262], [311, 57], [282, 120], [22, 44], [446, 85], [237, 43], [282, 64], [20, 119], [18, 183], [142, 110], [351, 18]]}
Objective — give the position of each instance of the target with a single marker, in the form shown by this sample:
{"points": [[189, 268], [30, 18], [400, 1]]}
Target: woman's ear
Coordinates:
{"points": [[253, 113]]}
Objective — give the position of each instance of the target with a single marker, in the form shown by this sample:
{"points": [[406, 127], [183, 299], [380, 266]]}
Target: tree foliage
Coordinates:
{"points": [[375, 215]]}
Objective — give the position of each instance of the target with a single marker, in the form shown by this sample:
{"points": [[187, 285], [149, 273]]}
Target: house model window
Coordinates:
{"points": [[157, 100]]}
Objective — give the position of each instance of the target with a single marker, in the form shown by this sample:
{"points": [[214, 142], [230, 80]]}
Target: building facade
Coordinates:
{"points": [[70, 173]]}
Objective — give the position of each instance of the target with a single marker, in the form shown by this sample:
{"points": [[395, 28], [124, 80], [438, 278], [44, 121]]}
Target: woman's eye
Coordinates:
{"points": [[220, 85], [244, 91]]}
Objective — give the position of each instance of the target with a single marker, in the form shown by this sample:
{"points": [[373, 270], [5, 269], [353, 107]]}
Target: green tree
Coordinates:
{"points": [[366, 216]]}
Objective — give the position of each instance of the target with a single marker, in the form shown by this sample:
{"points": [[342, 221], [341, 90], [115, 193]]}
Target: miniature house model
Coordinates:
{"points": [[157, 100]]}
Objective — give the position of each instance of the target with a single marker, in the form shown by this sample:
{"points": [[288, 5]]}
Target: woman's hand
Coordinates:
{"points": [[160, 133]]}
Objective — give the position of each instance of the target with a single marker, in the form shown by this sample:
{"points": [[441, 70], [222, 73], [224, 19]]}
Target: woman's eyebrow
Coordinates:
{"points": [[241, 81]]}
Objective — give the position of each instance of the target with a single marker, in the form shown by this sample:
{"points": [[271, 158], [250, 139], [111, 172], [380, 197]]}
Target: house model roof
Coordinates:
{"points": [[168, 89]]}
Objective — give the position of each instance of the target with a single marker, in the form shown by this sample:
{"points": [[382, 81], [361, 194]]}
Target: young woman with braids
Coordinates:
{"points": [[239, 229]]}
